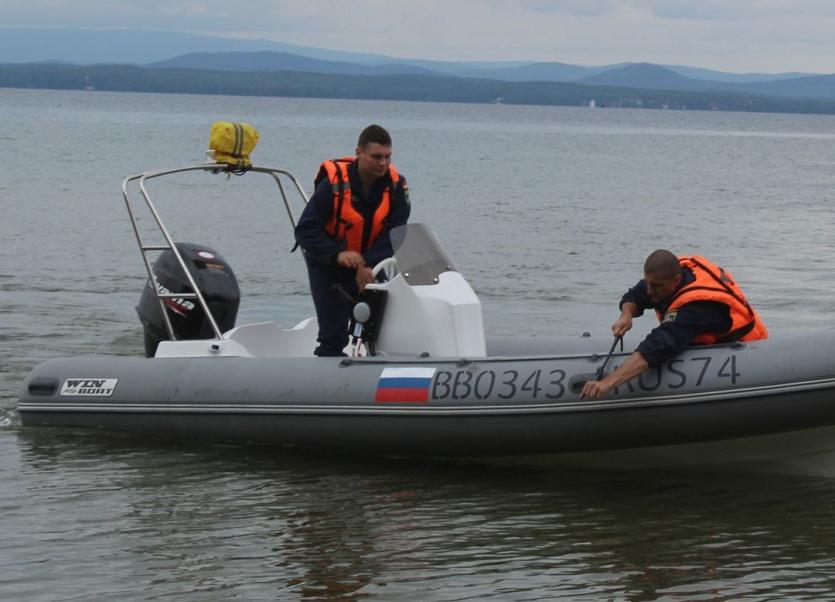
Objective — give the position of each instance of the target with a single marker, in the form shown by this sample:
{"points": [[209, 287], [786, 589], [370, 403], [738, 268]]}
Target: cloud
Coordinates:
{"points": [[579, 8], [704, 10], [739, 10]]}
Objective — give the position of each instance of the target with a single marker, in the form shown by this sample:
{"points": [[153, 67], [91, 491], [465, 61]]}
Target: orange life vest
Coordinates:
{"points": [[346, 223], [712, 283]]}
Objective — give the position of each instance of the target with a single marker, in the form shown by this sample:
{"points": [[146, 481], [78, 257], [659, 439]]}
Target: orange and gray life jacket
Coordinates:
{"points": [[346, 223], [712, 283]]}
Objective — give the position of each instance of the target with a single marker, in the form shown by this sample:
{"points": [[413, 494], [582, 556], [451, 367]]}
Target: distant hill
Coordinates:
{"points": [[160, 49], [269, 60], [815, 86], [278, 61], [655, 77], [130, 46], [631, 75], [142, 46], [722, 76], [644, 75], [386, 87], [545, 72]]}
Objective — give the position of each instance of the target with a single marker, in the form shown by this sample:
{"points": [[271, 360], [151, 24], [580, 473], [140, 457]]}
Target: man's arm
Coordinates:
{"points": [[634, 365], [664, 342], [637, 296], [310, 232], [632, 305]]}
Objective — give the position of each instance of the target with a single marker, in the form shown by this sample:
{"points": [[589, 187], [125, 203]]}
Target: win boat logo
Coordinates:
{"points": [[89, 387], [404, 385]]}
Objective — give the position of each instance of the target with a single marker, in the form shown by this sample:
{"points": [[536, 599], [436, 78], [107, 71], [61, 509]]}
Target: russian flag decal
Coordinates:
{"points": [[404, 385]]}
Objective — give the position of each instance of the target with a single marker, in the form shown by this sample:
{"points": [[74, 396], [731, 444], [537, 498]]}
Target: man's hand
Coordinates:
{"points": [[350, 259], [364, 276], [624, 323], [594, 389]]}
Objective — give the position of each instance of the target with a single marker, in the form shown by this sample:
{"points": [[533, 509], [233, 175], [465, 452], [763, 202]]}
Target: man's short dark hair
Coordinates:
{"points": [[662, 263], [374, 133]]}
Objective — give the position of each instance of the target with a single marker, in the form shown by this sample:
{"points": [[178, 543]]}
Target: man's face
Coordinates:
{"points": [[660, 288], [373, 160]]}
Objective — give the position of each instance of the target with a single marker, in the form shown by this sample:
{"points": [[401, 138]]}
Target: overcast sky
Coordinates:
{"points": [[730, 35]]}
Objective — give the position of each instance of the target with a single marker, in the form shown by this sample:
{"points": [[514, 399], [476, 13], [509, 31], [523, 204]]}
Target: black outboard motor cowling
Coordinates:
{"points": [[217, 283]]}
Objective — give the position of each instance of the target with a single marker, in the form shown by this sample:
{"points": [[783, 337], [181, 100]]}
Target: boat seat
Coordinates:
{"points": [[267, 339]]}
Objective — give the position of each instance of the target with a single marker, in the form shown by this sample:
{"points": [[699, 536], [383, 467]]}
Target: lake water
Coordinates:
{"points": [[549, 212]]}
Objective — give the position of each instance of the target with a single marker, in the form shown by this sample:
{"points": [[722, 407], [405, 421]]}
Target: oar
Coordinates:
{"points": [[601, 371]]}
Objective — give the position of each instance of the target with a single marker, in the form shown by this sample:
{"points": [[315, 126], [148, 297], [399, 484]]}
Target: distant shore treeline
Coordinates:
{"points": [[125, 78]]}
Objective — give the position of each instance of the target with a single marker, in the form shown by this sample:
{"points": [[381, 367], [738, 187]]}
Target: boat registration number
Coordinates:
{"points": [[554, 384]]}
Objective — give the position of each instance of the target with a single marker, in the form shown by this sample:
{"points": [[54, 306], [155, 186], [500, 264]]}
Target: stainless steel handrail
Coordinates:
{"points": [[213, 168]]}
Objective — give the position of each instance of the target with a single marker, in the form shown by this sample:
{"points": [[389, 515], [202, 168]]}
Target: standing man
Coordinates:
{"points": [[344, 230], [697, 303]]}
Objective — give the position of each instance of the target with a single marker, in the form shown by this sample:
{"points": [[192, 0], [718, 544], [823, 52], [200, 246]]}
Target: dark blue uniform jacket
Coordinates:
{"points": [[321, 248], [677, 332]]}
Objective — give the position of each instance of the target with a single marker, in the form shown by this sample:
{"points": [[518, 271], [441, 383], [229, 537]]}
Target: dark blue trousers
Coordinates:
{"points": [[333, 310]]}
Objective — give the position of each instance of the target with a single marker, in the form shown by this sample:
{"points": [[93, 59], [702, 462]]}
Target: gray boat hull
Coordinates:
{"points": [[501, 405]]}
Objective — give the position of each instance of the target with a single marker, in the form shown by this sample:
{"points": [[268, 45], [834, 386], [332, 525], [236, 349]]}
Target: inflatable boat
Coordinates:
{"points": [[420, 377]]}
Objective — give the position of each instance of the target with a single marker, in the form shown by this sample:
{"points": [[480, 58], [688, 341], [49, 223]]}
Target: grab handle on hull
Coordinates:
{"points": [[578, 381], [42, 386]]}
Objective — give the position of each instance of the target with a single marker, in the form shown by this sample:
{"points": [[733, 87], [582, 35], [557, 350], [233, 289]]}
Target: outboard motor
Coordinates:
{"points": [[217, 283]]}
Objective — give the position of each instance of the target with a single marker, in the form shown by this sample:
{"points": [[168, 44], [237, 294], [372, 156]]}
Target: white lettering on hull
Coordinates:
{"points": [[89, 387]]}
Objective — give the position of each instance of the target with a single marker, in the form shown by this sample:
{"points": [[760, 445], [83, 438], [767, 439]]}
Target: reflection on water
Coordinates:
{"points": [[232, 522]]}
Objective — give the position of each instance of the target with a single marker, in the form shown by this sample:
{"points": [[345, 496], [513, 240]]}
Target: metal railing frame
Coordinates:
{"points": [[213, 168]]}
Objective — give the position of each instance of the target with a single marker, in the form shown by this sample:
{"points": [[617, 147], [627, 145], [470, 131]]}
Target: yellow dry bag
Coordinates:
{"points": [[232, 142]]}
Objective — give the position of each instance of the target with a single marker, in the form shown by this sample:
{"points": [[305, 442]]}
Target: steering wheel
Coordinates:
{"points": [[388, 266]]}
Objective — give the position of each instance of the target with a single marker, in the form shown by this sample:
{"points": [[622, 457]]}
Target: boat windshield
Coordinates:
{"points": [[420, 257]]}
